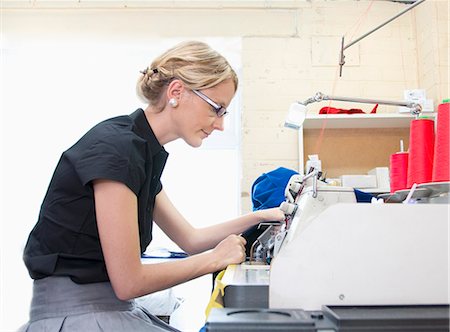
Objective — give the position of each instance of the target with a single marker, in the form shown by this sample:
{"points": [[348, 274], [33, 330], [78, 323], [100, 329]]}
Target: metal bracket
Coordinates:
{"points": [[342, 56]]}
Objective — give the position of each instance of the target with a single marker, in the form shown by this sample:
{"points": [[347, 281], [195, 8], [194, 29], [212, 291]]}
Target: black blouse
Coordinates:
{"points": [[65, 240]]}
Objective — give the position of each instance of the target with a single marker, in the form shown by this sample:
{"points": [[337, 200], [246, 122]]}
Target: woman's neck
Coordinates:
{"points": [[160, 122]]}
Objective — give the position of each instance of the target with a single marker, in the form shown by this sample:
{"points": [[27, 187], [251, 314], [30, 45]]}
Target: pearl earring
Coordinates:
{"points": [[173, 102]]}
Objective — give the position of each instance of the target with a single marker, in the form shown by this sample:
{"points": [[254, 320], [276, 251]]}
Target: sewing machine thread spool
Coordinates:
{"points": [[441, 149], [421, 150], [398, 171]]}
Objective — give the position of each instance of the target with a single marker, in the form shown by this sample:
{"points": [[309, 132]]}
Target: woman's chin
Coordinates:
{"points": [[195, 143]]}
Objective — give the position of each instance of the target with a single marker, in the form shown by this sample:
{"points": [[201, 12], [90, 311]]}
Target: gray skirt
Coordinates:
{"points": [[59, 304]]}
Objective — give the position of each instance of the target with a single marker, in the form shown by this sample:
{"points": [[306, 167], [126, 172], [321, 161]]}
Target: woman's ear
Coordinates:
{"points": [[175, 90]]}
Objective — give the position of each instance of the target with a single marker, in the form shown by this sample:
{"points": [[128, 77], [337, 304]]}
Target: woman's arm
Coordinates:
{"points": [[116, 211], [194, 240]]}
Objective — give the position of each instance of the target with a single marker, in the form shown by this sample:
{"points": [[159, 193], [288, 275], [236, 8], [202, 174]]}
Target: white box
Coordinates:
{"points": [[415, 94], [382, 175], [359, 181]]}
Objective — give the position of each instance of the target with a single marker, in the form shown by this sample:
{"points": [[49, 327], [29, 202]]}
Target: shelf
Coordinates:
{"points": [[385, 120]]}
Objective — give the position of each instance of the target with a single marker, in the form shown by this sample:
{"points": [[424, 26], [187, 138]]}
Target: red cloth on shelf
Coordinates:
{"points": [[333, 110]]}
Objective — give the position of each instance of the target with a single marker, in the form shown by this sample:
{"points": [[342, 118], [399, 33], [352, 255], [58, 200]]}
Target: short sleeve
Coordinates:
{"points": [[118, 158]]}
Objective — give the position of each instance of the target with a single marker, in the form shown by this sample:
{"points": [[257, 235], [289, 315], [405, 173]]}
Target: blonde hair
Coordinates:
{"points": [[193, 62]]}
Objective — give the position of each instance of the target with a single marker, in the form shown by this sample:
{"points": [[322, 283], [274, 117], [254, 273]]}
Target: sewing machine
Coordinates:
{"points": [[332, 251]]}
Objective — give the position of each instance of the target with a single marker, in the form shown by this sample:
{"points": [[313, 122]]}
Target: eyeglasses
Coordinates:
{"points": [[219, 109]]}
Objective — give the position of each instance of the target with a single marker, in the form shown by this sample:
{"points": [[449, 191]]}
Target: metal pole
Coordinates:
{"points": [[341, 58], [369, 101], [383, 24], [415, 108]]}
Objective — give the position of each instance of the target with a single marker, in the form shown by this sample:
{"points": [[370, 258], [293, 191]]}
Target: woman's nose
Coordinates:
{"points": [[219, 123]]}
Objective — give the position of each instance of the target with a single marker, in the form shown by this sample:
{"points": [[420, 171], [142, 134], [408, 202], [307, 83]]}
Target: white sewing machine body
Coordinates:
{"points": [[335, 251], [339, 252], [364, 254]]}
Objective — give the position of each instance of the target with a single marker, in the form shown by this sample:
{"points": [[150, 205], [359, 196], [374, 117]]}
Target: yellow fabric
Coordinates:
{"points": [[216, 300]]}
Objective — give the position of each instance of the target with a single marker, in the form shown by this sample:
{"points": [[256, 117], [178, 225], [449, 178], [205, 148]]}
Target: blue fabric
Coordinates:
{"points": [[362, 197], [268, 189]]}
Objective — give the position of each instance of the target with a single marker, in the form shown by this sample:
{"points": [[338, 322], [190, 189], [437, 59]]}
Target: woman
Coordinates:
{"points": [[96, 218]]}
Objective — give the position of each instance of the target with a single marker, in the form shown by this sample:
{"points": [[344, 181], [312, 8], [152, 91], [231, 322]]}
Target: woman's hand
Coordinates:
{"points": [[273, 214], [231, 250]]}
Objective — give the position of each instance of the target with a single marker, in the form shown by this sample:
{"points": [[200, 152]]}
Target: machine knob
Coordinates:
{"points": [[288, 208]]}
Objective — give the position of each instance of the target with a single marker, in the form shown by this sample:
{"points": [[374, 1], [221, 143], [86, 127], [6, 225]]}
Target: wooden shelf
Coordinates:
{"points": [[386, 120], [353, 121]]}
